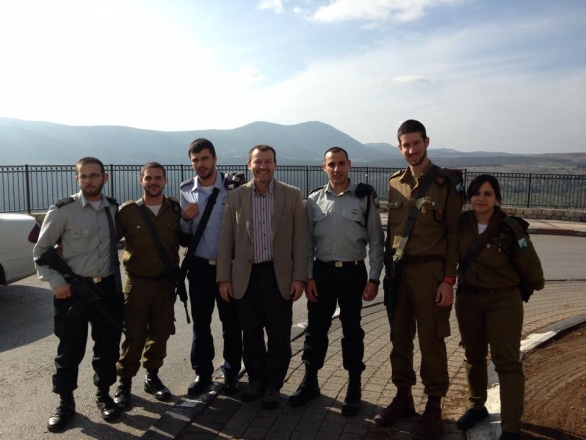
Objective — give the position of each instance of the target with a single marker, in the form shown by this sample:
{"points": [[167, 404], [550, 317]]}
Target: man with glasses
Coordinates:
{"points": [[83, 224]]}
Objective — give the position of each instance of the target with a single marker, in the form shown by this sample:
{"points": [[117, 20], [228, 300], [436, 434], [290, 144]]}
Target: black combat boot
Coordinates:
{"points": [[308, 389], [106, 405], [62, 414], [122, 395], [353, 394], [154, 386], [430, 427]]}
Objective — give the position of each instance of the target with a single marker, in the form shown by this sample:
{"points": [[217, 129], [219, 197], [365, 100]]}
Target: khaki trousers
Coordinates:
{"points": [[495, 320], [416, 310], [148, 320]]}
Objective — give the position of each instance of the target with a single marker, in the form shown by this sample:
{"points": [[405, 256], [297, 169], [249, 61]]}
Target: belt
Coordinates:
{"points": [[341, 263], [205, 260], [98, 280], [264, 263], [420, 259], [163, 276], [487, 291]]}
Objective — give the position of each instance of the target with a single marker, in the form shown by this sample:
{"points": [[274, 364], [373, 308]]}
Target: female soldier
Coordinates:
{"points": [[495, 258]]}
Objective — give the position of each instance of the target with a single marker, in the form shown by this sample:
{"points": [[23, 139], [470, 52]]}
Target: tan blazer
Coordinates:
{"points": [[289, 238]]}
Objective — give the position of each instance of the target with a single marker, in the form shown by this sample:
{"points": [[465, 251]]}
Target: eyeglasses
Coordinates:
{"points": [[92, 176]]}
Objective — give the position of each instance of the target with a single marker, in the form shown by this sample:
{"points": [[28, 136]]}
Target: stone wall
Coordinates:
{"points": [[535, 213]]}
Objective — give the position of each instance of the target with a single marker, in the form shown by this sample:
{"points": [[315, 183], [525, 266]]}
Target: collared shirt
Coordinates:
{"points": [[338, 230], [193, 193], [262, 224], [85, 239], [141, 256]]}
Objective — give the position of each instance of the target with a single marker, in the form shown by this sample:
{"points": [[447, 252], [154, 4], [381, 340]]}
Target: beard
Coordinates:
{"points": [[154, 192], [205, 175], [92, 190], [415, 162]]}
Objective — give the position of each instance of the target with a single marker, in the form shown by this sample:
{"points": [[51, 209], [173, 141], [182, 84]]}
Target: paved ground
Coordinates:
{"points": [[217, 416]]}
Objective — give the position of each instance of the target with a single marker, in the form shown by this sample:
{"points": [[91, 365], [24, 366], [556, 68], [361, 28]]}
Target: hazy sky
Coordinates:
{"points": [[494, 75]]}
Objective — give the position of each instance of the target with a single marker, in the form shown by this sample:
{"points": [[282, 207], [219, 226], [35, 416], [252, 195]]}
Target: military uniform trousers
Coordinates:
{"points": [[203, 294], [495, 319], [416, 309], [343, 286], [263, 308], [148, 320], [72, 335]]}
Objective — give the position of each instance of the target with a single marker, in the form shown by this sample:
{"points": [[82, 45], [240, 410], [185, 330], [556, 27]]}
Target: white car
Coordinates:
{"points": [[18, 234]]}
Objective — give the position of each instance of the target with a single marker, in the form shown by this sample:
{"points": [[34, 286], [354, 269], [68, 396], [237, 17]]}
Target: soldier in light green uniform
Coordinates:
{"points": [[495, 257], [149, 288]]}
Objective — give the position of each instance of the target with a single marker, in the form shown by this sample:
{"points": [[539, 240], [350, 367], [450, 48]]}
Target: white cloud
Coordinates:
{"points": [[376, 10], [275, 5], [410, 79]]}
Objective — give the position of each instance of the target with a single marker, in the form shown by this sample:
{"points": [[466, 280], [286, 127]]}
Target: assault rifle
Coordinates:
{"points": [[87, 293]]}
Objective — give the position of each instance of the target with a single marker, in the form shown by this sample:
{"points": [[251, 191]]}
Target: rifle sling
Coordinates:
{"points": [[414, 212], [114, 250], [186, 263], [169, 266]]}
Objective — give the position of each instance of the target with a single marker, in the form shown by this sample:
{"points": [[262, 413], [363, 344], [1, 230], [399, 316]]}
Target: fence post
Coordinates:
{"points": [[366, 175], [306, 181], [529, 192], [112, 187], [28, 188]]}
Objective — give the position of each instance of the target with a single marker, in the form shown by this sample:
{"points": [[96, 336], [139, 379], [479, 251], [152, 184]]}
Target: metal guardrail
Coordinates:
{"points": [[29, 188]]}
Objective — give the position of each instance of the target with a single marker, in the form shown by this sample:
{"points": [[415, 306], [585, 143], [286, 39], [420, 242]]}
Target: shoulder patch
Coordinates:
{"points": [[455, 176], [317, 189], [112, 201], [61, 203], [186, 182], [517, 226], [440, 179]]}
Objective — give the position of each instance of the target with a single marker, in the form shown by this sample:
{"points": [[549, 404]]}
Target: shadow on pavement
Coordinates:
{"points": [[26, 315]]}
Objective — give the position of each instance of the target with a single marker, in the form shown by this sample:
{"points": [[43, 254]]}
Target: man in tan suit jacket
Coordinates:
{"points": [[262, 265]]}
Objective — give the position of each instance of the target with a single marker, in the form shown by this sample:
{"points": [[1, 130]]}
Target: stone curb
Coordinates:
{"points": [[489, 429]]}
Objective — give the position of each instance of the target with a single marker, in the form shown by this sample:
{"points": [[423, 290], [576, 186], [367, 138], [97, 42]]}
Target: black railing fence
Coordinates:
{"points": [[30, 188]]}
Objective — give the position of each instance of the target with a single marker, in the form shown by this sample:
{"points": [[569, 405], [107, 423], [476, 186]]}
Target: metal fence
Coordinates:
{"points": [[30, 188]]}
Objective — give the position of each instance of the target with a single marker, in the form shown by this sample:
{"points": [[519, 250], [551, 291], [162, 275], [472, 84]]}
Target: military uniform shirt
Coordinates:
{"points": [[337, 230], [500, 261], [435, 232], [192, 193], [85, 239], [141, 257]]}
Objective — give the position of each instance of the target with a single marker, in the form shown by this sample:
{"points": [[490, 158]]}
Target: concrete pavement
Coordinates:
{"points": [[216, 416]]}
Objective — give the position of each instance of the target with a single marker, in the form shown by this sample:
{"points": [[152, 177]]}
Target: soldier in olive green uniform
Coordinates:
{"points": [[424, 281], [149, 287], [495, 256]]}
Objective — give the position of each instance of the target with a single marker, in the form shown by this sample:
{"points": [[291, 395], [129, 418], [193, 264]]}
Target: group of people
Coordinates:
{"points": [[253, 250]]}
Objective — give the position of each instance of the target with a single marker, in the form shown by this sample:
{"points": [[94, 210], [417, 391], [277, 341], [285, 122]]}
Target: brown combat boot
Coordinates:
{"points": [[402, 406], [430, 427]]}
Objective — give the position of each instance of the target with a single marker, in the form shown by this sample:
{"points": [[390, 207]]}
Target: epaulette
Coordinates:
{"points": [[364, 189], [61, 203], [518, 226], [454, 176], [112, 201], [175, 205], [127, 204], [317, 189], [397, 173], [185, 182]]}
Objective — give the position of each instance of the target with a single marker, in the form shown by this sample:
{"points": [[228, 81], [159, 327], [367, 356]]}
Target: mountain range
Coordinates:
{"points": [[46, 143]]}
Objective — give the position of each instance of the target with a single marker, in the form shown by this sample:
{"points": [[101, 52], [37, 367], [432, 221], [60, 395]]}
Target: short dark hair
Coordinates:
{"points": [[262, 147], [336, 150], [201, 144], [149, 165], [89, 160], [479, 180], [411, 126]]}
